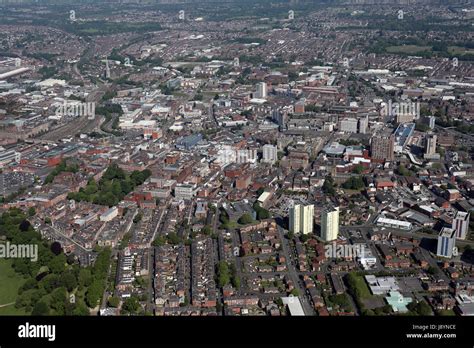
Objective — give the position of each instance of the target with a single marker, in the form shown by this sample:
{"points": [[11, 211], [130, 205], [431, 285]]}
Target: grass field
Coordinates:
{"points": [[459, 50], [9, 284], [408, 49]]}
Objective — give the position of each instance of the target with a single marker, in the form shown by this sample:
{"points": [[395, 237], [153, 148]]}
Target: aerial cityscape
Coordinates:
{"points": [[237, 158]]}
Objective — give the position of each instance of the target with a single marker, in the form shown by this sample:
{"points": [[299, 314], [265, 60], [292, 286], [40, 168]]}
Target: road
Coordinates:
{"points": [[290, 264]]}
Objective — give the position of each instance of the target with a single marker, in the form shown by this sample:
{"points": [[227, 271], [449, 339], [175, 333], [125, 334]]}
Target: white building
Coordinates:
{"points": [[184, 191], [301, 218], [270, 153], [330, 224], [461, 224], [261, 92], [7, 157], [349, 125], [398, 224], [109, 215], [381, 285], [294, 305], [446, 243]]}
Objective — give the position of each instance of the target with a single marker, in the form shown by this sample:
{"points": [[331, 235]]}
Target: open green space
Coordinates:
{"points": [[10, 282], [408, 49]]}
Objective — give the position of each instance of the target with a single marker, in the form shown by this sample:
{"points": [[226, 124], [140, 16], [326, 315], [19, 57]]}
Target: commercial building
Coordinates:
{"points": [[7, 157], [392, 223], [349, 125], [301, 218], [187, 143], [184, 191], [403, 134], [446, 242], [381, 285], [330, 224], [460, 224]]}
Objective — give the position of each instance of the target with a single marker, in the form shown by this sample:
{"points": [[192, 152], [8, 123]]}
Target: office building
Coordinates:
{"points": [[446, 242], [461, 224], [301, 218], [330, 224]]}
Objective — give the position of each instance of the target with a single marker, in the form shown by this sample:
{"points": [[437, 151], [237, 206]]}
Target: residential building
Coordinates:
{"points": [[461, 224], [261, 92], [301, 218], [446, 242], [270, 153], [382, 148], [430, 146], [330, 224]]}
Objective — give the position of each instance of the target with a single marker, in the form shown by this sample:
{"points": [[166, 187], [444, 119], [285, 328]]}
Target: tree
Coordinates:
{"points": [[68, 280], [25, 225], [245, 219], [58, 301], [402, 170], [328, 186], [262, 213], [207, 230], [85, 277], [236, 282], [57, 264], [290, 235], [223, 273], [420, 308], [56, 248], [173, 238], [31, 211], [138, 218], [94, 294], [354, 183], [159, 241], [131, 305], [81, 309], [358, 169], [40, 308], [113, 301]]}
